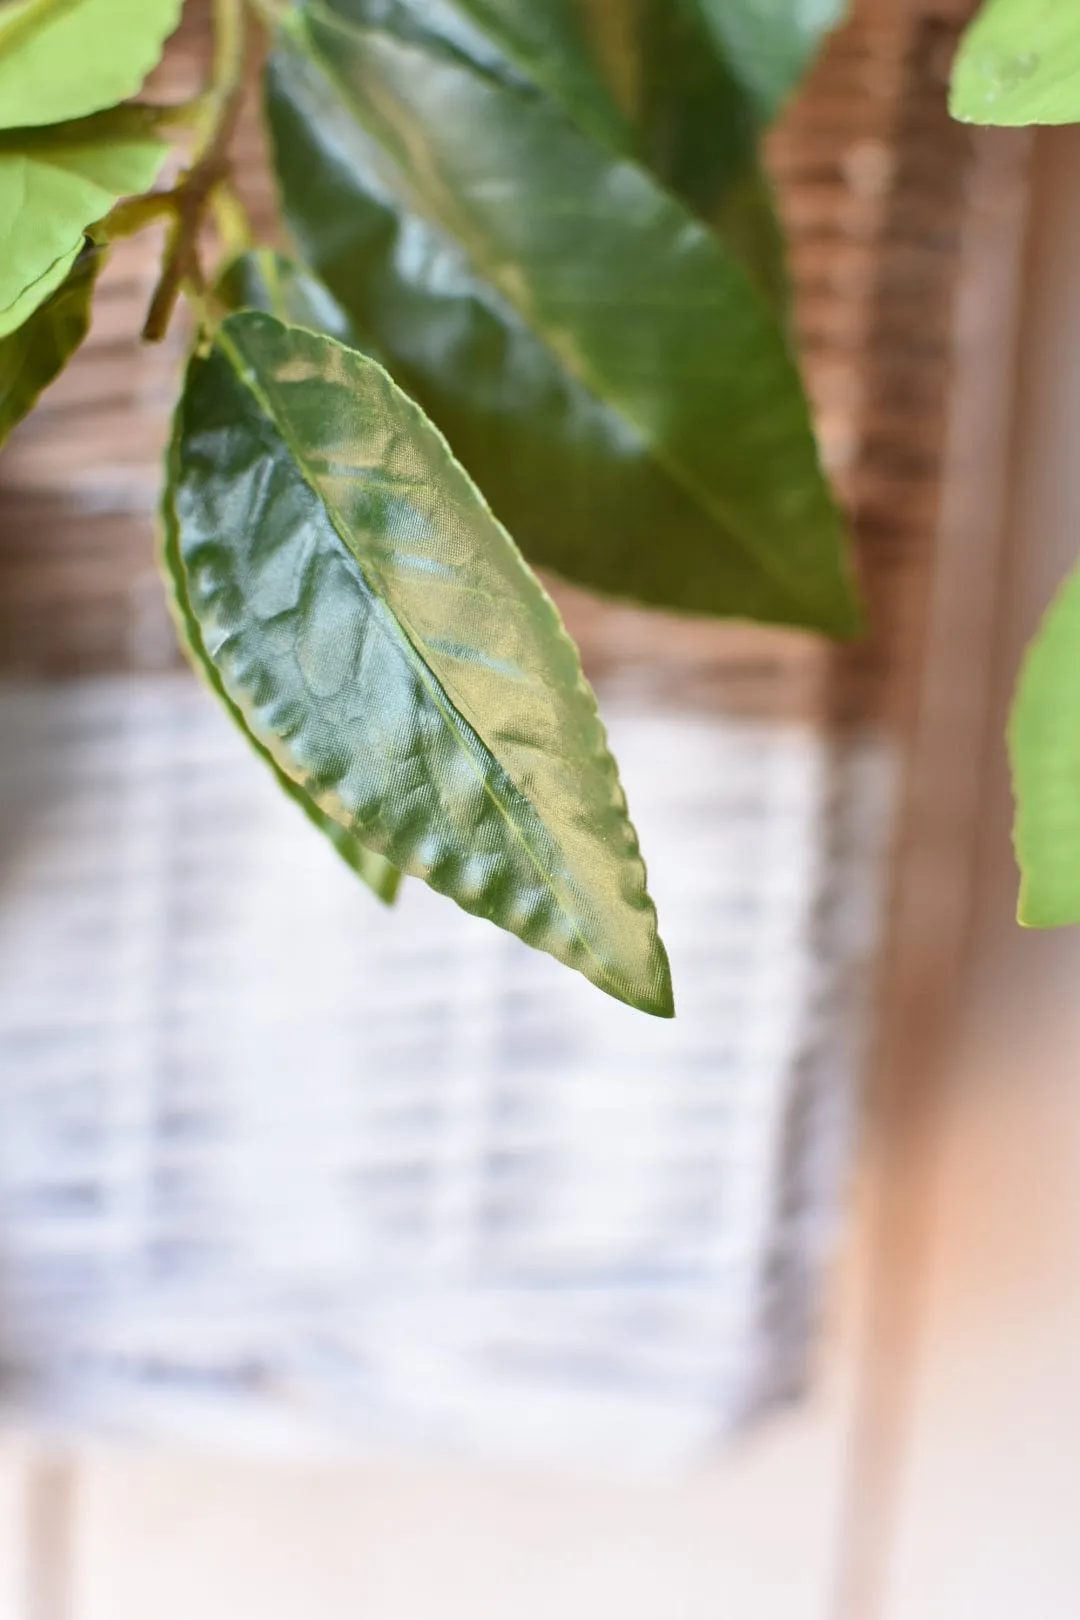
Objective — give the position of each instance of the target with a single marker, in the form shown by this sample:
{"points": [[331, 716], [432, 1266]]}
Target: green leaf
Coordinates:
{"points": [[265, 280], [36, 352], [384, 641], [771, 43], [641, 77], [1019, 63], [381, 878], [593, 352], [62, 59], [54, 183], [1044, 738], [696, 129]]}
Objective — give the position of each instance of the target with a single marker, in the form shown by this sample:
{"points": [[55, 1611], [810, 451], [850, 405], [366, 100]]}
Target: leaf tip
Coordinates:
{"points": [[658, 1000]]}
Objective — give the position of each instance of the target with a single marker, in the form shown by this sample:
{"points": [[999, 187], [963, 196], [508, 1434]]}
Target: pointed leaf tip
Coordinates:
{"points": [[389, 648]]}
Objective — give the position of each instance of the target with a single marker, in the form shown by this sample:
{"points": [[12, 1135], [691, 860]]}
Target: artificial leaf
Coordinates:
{"points": [[694, 127], [54, 183], [381, 877], [1019, 63], [37, 351], [641, 77], [1044, 737], [62, 59], [263, 279], [593, 352], [32, 296], [770, 43], [386, 643]]}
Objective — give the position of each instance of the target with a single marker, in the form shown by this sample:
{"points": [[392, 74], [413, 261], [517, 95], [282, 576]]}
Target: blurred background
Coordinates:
{"points": [[355, 1264]]}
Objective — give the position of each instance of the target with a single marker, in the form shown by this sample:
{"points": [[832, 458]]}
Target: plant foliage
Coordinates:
{"points": [[542, 285]]}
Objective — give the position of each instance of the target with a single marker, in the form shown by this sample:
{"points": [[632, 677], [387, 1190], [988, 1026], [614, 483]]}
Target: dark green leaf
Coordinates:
{"points": [[383, 879], [693, 127], [36, 352], [593, 352], [61, 59], [386, 644], [54, 183], [770, 43], [265, 280], [641, 77], [1019, 63], [1045, 747]]}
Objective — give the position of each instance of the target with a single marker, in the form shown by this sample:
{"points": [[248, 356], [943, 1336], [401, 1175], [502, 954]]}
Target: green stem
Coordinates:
{"points": [[271, 13], [233, 222], [209, 167], [132, 215], [208, 312], [227, 73]]}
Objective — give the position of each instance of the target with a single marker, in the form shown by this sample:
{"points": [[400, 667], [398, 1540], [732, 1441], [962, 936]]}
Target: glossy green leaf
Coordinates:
{"points": [[1019, 63], [54, 183], [592, 350], [268, 281], [770, 43], [381, 877], [1044, 741], [642, 77], [37, 351], [62, 59], [265, 280], [385, 642], [694, 127]]}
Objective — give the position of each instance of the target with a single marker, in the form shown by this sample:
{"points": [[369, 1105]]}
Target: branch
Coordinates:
{"points": [[191, 198]]}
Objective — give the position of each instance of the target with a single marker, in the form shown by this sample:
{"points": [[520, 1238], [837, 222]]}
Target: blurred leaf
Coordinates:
{"points": [[695, 128], [36, 352], [594, 353], [54, 183], [643, 78], [384, 641], [1045, 746], [62, 59], [265, 280], [1019, 63], [771, 43]]}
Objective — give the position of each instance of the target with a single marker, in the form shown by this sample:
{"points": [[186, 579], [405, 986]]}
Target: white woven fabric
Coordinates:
{"points": [[278, 1167]]}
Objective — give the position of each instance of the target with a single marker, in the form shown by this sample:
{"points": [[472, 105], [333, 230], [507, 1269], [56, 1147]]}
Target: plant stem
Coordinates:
{"points": [[132, 215], [232, 222], [271, 13], [209, 167]]}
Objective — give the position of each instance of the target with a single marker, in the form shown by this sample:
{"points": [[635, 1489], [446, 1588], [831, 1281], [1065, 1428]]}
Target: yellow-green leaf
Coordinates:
{"points": [[1044, 737], [387, 645], [54, 183], [38, 350], [62, 59], [1019, 63]]}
